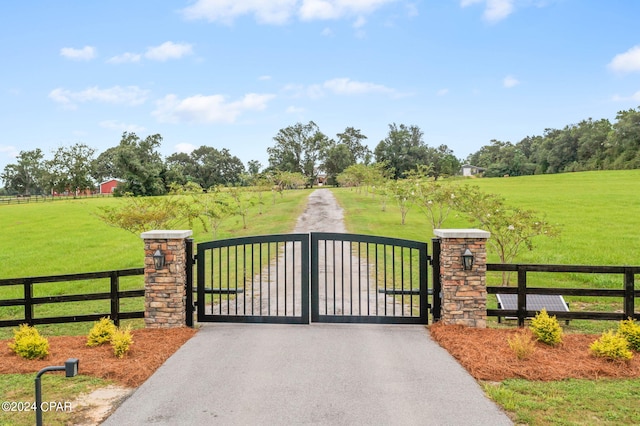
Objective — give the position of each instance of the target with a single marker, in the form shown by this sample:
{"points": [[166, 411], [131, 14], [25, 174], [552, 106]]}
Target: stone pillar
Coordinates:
{"points": [[164, 289], [464, 293]]}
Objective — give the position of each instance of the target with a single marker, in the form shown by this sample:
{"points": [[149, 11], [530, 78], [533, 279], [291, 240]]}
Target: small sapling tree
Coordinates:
{"points": [[511, 228]]}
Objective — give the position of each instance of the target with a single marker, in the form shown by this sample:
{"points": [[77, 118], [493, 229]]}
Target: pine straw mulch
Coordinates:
{"points": [[150, 349], [486, 354]]}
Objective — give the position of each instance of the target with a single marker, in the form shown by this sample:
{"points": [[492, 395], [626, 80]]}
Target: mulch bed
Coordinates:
{"points": [[486, 354], [150, 349]]}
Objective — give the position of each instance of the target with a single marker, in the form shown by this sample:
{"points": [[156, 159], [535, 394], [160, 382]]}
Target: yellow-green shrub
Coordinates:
{"points": [[120, 341], [630, 330], [522, 344], [28, 343], [546, 328], [611, 345], [101, 332]]}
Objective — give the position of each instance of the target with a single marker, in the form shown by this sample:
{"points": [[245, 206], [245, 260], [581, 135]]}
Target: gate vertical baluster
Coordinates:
{"points": [[411, 281], [228, 278], [393, 278], [326, 280], [285, 278], [359, 278], [350, 278], [115, 298], [235, 278], [269, 279], [368, 282], [522, 295], [333, 254], [252, 280], [277, 279], [384, 252]]}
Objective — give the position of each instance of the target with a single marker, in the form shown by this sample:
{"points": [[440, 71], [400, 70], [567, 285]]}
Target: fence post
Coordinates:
{"points": [[464, 292], [164, 288]]}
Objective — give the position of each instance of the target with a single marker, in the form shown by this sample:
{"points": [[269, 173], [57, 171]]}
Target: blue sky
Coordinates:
{"points": [[231, 73]]}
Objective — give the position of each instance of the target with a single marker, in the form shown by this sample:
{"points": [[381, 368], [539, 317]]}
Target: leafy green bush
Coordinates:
{"points": [[28, 343], [612, 346], [546, 328], [522, 344], [120, 341], [101, 332], [630, 330]]}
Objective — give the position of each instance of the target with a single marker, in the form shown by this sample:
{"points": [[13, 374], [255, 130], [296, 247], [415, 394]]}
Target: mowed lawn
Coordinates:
{"points": [[598, 212]]}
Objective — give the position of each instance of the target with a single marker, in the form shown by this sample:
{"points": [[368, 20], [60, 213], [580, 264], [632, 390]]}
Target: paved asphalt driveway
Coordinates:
{"points": [[325, 374]]}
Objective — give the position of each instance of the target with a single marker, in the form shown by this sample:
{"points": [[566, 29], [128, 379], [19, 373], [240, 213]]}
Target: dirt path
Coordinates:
{"points": [[348, 285]]}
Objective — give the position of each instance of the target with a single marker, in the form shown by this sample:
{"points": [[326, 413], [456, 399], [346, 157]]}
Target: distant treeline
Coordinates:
{"points": [[588, 145]]}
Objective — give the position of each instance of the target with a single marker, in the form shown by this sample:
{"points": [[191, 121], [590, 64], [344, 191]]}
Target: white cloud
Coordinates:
{"points": [[510, 81], [9, 151], [184, 147], [168, 50], [294, 110], [628, 61], [634, 98], [345, 86], [124, 58], [327, 32], [130, 95], [208, 109], [442, 92], [279, 12], [121, 127], [337, 86], [85, 54], [225, 11], [360, 22], [264, 78], [495, 10]]}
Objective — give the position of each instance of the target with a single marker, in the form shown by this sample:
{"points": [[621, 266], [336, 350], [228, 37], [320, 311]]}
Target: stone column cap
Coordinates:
{"points": [[461, 233], [166, 234]]}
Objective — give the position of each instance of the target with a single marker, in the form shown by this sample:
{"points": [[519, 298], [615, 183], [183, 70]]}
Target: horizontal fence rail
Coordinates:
{"points": [[29, 301], [628, 292]]}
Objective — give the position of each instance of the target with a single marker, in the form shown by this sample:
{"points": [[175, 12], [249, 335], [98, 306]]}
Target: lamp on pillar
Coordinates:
{"points": [[158, 259], [467, 260]]}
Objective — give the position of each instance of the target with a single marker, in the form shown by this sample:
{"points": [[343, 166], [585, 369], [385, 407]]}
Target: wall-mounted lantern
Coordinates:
{"points": [[158, 259], [467, 260]]}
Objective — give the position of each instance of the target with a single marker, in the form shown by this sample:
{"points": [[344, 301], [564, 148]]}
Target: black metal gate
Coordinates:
{"points": [[254, 279], [353, 278]]}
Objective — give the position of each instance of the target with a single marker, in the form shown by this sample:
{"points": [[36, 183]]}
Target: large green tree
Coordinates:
{"points": [[298, 149], [72, 168], [26, 177], [402, 150], [206, 166], [141, 165]]}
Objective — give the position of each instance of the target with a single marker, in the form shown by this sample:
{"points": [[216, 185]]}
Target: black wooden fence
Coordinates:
{"points": [[28, 301], [627, 291]]}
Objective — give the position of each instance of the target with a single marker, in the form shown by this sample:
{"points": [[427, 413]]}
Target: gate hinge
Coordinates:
{"points": [[194, 260], [429, 260]]}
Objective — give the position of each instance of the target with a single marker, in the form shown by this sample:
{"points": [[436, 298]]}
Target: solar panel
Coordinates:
{"points": [[535, 302]]}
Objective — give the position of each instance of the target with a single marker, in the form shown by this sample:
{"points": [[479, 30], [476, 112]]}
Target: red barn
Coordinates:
{"points": [[108, 186]]}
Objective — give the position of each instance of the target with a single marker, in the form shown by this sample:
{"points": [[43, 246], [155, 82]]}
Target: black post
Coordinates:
{"points": [[28, 303], [39, 391], [189, 283], [522, 295], [629, 287], [115, 299], [436, 309]]}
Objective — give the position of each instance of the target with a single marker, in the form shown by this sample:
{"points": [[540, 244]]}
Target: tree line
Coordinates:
{"points": [[588, 145], [300, 154]]}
